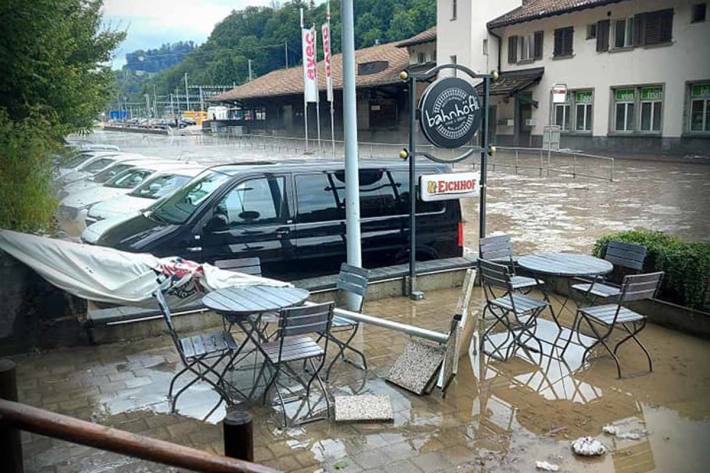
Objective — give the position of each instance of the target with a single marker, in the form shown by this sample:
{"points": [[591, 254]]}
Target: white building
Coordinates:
{"points": [[637, 71]]}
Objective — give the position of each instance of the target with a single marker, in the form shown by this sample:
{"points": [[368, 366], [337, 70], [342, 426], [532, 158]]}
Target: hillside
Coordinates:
{"points": [[263, 34]]}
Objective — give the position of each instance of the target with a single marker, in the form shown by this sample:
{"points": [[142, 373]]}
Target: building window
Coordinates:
{"points": [[592, 31], [452, 60], [638, 109], [563, 42], [562, 115], [700, 107], [623, 33], [698, 12], [454, 8], [651, 108], [421, 58], [525, 47], [485, 47], [624, 104], [583, 110]]}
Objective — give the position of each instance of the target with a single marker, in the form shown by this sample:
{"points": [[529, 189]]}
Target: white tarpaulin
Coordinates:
{"points": [[106, 275]]}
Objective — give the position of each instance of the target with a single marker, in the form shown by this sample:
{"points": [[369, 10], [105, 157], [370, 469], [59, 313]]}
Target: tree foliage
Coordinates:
{"points": [[261, 33], [54, 56], [55, 80]]}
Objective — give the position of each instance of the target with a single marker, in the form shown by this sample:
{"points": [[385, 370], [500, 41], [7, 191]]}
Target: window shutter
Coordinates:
{"points": [[569, 39], [539, 35], [637, 29], [603, 35], [666, 25], [512, 49], [558, 43], [658, 27]]}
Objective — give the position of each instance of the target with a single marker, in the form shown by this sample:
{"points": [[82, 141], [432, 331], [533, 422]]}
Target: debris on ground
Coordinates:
{"points": [[610, 429], [545, 466], [588, 447]]}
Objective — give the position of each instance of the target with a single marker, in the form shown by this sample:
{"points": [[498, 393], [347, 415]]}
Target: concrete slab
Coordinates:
{"points": [[415, 369], [363, 408]]}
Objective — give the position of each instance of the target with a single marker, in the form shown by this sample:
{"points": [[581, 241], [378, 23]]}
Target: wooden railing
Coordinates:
{"points": [[15, 416]]}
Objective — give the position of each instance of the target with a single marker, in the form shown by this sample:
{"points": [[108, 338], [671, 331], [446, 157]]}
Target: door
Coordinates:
{"points": [[320, 222], [523, 105], [252, 220]]}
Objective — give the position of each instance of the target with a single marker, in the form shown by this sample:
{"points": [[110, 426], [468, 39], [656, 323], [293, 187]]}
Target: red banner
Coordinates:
{"points": [[325, 31]]}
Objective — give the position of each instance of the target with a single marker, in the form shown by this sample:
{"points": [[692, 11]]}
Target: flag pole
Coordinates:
{"points": [[315, 55], [330, 91], [305, 99]]}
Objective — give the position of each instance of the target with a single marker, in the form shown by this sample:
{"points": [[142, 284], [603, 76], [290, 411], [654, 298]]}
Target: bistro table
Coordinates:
{"points": [[244, 306], [564, 265]]}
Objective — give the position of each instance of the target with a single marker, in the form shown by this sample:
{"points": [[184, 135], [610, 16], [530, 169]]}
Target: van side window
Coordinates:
{"points": [[379, 194], [402, 180], [259, 201], [321, 197]]}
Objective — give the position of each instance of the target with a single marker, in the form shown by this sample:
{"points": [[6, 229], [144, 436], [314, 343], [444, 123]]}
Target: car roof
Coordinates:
{"points": [[314, 165]]}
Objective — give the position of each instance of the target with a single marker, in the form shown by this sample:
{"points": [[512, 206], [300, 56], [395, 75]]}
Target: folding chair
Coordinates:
{"points": [[499, 249], [200, 355], [627, 257], [523, 309], [292, 347], [602, 319], [352, 283], [252, 267]]}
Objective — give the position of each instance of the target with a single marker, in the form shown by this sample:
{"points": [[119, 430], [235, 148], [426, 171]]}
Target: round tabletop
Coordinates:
{"points": [[565, 264], [247, 300]]}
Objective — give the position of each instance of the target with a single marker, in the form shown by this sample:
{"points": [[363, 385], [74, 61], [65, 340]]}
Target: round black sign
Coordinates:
{"points": [[450, 112]]}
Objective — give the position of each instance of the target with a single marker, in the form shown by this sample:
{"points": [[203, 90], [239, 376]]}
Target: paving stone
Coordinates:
{"points": [[416, 367], [363, 408]]}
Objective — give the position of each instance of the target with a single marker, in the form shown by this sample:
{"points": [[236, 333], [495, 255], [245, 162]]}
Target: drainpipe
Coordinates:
{"points": [[500, 47]]}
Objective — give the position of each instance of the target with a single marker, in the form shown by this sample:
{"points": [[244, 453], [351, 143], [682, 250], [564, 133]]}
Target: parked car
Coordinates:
{"points": [[94, 166], [98, 179], [151, 190], [291, 216], [79, 160], [74, 206]]}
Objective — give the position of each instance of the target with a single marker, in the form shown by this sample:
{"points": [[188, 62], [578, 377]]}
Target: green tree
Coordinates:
{"points": [[55, 80], [54, 56]]}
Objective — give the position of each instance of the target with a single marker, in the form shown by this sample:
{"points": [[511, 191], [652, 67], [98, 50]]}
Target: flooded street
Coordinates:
{"points": [[554, 212]]}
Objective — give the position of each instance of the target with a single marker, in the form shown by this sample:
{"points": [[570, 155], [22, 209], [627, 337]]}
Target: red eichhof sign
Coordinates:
{"points": [[448, 186], [309, 64]]}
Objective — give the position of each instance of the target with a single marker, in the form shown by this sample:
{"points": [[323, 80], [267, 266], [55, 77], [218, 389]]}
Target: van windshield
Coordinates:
{"points": [[178, 208]]}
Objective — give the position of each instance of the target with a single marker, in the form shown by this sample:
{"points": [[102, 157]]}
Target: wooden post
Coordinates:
{"points": [[239, 436], [10, 443]]}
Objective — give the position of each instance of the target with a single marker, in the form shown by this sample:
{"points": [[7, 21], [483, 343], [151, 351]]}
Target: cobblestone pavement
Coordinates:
{"points": [[495, 417]]}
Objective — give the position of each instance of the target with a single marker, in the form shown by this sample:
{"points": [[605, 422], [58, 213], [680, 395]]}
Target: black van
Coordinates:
{"points": [[292, 216]]}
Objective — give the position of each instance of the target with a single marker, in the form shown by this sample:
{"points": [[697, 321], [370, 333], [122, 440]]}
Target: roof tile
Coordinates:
{"points": [[535, 9]]}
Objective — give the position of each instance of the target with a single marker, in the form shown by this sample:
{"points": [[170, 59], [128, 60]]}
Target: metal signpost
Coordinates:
{"points": [[450, 114]]}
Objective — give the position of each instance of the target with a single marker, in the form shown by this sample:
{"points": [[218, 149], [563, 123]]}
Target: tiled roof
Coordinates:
{"points": [[535, 9], [290, 81], [423, 37]]}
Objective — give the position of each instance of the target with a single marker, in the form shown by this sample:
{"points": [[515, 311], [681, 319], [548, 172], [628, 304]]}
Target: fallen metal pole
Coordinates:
{"points": [[389, 324], [51, 424]]}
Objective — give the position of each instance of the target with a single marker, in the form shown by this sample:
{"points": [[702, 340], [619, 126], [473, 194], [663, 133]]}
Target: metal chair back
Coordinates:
{"points": [[494, 275], [250, 266], [352, 280], [497, 247], [640, 286], [625, 255], [304, 320], [168, 318]]}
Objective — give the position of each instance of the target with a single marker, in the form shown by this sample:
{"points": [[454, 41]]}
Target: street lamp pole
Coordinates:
{"points": [[352, 184]]}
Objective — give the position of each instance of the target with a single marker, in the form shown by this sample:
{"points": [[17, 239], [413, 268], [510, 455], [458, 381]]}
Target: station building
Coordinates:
{"points": [[637, 72]]}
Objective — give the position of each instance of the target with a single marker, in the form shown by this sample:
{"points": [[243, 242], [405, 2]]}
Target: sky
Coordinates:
{"points": [[150, 23]]}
